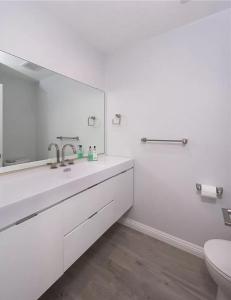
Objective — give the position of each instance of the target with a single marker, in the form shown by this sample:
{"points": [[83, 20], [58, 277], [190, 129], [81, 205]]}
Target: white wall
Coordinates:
{"points": [[172, 86], [30, 33], [19, 115]]}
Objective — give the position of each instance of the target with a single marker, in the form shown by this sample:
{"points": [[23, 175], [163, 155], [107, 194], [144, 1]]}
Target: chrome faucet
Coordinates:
{"points": [[63, 154], [54, 165]]}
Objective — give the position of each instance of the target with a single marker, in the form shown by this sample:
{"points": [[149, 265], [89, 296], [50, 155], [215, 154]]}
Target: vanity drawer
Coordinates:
{"points": [[82, 237], [78, 208]]}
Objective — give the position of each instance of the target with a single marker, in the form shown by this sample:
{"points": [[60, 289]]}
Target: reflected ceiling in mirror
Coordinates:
{"points": [[38, 105]]}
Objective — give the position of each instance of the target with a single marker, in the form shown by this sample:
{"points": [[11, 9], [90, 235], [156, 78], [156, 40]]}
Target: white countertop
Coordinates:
{"points": [[25, 192]]}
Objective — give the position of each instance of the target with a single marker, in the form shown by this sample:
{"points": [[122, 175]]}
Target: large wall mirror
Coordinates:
{"points": [[38, 105]]}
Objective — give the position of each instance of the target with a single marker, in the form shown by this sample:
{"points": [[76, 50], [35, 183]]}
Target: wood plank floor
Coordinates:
{"points": [[124, 264]]}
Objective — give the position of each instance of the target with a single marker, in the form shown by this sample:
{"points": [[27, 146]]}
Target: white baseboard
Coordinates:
{"points": [[164, 237]]}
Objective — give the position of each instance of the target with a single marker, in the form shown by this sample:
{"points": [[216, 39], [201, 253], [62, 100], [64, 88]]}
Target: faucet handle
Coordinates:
{"points": [[62, 164], [54, 166], [70, 161], [57, 151]]}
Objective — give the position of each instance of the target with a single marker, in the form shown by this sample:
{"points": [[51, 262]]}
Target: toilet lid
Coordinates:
{"points": [[218, 252]]}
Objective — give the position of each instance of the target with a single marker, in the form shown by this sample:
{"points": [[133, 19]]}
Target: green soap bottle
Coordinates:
{"points": [[80, 152], [95, 155], [90, 154]]}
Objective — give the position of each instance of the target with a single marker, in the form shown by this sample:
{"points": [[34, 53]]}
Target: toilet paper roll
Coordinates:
{"points": [[208, 191]]}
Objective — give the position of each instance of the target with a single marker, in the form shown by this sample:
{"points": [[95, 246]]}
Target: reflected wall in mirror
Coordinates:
{"points": [[38, 105]]}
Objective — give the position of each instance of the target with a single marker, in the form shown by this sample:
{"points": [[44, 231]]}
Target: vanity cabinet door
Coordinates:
{"points": [[31, 256], [78, 208], [123, 194], [82, 237], [119, 191]]}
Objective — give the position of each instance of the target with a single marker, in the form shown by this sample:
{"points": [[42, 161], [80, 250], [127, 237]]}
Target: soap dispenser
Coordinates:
{"points": [[80, 151], [90, 154], [95, 155]]}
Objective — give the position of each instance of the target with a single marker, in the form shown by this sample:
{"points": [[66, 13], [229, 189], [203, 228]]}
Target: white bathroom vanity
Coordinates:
{"points": [[49, 218]]}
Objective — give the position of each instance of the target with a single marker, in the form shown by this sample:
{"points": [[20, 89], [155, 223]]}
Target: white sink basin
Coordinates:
{"points": [[27, 191]]}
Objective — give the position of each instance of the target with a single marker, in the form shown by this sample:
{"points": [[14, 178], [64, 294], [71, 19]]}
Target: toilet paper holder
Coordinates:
{"points": [[219, 190]]}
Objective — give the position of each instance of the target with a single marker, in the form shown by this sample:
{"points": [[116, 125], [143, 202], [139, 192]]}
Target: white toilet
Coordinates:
{"points": [[218, 261]]}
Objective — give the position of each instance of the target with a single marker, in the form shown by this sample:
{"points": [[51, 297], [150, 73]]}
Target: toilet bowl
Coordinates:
{"points": [[218, 260]]}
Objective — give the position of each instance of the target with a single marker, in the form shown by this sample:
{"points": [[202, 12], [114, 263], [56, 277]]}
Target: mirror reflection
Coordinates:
{"points": [[39, 107]]}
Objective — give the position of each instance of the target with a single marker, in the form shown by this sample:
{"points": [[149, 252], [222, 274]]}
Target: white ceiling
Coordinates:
{"points": [[111, 25]]}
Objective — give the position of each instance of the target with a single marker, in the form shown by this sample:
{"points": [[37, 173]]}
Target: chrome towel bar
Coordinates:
{"points": [[183, 141], [67, 138]]}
